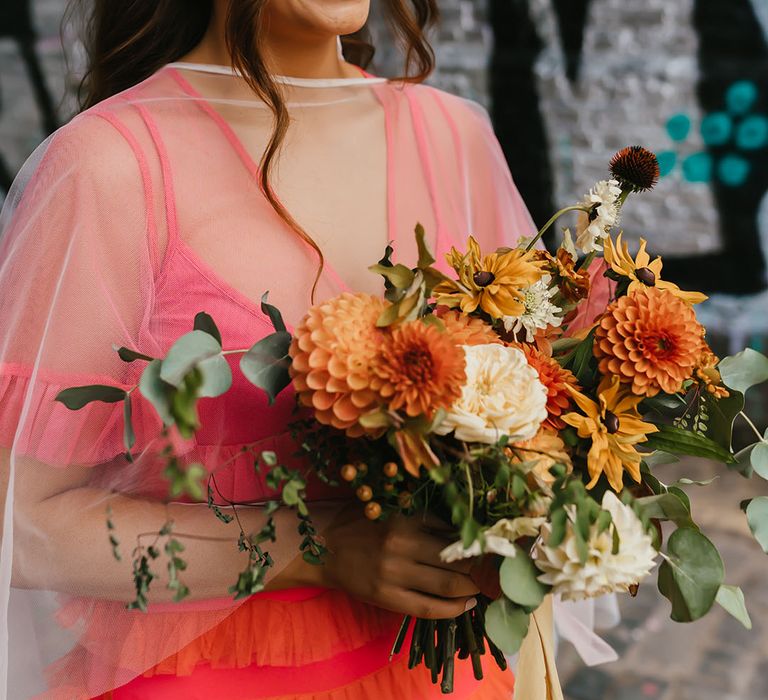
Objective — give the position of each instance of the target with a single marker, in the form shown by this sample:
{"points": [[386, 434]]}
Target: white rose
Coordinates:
{"points": [[604, 571], [502, 396]]}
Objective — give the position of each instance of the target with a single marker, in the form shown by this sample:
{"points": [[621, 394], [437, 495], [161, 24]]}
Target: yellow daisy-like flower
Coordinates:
{"points": [[493, 282], [615, 427], [642, 271]]}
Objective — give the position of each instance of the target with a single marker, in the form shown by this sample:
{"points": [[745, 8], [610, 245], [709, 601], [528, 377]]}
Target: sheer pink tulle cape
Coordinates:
{"points": [[140, 213]]}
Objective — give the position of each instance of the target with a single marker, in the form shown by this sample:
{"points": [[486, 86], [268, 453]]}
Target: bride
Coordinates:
{"points": [[226, 148]]}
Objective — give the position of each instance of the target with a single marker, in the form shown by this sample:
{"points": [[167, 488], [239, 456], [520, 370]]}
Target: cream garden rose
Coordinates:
{"points": [[500, 539], [502, 396]]}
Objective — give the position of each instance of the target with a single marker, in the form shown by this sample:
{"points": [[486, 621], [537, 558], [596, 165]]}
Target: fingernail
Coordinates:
{"points": [[470, 604]]}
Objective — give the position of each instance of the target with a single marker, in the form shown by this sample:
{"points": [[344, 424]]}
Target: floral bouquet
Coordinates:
{"points": [[509, 399]]}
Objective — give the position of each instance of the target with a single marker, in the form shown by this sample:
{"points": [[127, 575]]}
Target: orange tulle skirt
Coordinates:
{"points": [[304, 644]]}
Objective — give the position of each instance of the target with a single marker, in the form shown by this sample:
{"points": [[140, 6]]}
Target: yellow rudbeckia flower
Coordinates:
{"points": [[642, 272], [491, 282], [615, 427]]}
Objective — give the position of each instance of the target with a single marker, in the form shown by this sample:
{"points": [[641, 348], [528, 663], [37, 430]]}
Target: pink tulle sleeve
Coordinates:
{"points": [[75, 279]]}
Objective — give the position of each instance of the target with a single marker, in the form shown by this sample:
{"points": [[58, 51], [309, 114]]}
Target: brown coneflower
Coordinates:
{"points": [[636, 168], [419, 369]]}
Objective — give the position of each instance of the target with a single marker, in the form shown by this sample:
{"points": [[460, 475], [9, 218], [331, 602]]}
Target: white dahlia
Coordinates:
{"points": [[540, 313], [603, 572], [500, 539], [502, 396], [593, 228]]}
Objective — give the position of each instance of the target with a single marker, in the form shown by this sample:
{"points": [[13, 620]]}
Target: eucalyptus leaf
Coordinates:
{"points": [[759, 459], [685, 481], [507, 625], [204, 322], [692, 574], [185, 354], [77, 397], [217, 376], [398, 275], [731, 598], [266, 364], [156, 391], [273, 312], [679, 441], [757, 517], [666, 506], [519, 580], [129, 437], [744, 370], [660, 458], [128, 355]]}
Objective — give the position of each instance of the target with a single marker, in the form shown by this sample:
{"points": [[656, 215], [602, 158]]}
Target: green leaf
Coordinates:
{"points": [[731, 598], [77, 397], [217, 376], [691, 576], [204, 322], [273, 312], [266, 364], [582, 357], [128, 355], [518, 577], [507, 625], [425, 255], [679, 441], [185, 354], [757, 517], [759, 459], [398, 275], [129, 437], [156, 391], [722, 414], [744, 369], [666, 506]]}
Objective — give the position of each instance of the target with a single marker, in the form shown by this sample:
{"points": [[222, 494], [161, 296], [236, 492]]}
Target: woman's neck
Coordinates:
{"points": [[294, 56]]}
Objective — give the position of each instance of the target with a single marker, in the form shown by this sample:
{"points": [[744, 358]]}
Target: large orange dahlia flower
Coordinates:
{"points": [[556, 381], [419, 369], [649, 339], [332, 353]]}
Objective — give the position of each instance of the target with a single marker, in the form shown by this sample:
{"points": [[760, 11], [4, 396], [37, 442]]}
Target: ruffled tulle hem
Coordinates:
{"points": [[266, 630], [392, 681]]}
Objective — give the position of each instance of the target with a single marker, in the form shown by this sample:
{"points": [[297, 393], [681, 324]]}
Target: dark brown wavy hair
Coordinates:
{"points": [[127, 41]]}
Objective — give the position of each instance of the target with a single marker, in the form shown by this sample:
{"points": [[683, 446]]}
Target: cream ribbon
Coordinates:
{"points": [[536, 677]]}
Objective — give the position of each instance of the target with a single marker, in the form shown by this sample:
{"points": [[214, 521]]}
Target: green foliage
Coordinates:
{"points": [[678, 441], [759, 459], [757, 517], [184, 480], [129, 437], [722, 414], [266, 364], [667, 506], [274, 314], [519, 581], [77, 397], [128, 355], [156, 391], [186, 354], [507, 625], [113, 541], [691, 574], [731, 598], [204, 322], [744, 370]]}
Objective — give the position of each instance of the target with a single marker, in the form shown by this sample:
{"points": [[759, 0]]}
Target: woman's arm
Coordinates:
{"points": [[61, 544]]}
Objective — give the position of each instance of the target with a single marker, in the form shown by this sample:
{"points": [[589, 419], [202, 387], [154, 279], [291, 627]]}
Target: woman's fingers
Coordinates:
{"points": [[425, 606], [435, 582]]}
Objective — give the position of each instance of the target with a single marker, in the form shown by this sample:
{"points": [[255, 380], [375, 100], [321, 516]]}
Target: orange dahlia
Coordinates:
{"points": [[556, 381], [418, 369], [650, 339], [468, 330], [332, 352], [541, 453]]}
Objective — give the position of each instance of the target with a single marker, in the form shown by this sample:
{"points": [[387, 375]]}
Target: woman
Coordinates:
{"points": [[227, 149]]}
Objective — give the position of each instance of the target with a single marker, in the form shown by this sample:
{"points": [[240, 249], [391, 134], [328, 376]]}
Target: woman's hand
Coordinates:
{"points": [[394, 565]]}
